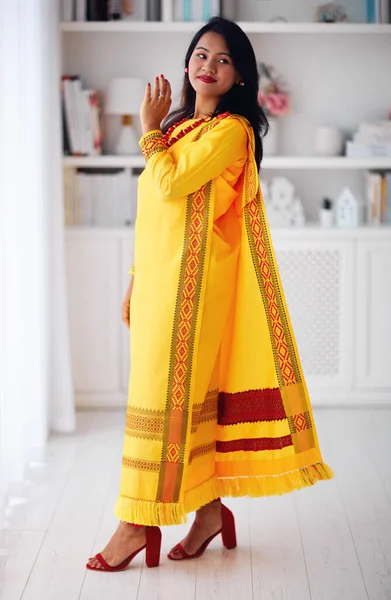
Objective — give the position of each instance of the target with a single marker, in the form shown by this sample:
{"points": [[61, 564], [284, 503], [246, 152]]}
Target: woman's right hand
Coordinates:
{"points": [[156, 104], [126, 303]]}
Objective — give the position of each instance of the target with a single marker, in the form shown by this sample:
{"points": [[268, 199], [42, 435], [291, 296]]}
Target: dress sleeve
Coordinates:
{"points": [[132, 270], [199, 162]]}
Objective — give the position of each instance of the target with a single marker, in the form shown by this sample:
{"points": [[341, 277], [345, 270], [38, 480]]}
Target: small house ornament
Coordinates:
{"points": [[347, 209], [265, 190], [283, 208], [282, 192], [298, 216]]}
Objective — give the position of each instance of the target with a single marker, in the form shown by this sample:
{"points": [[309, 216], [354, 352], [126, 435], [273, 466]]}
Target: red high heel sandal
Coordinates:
{"points": [[152, 553], [228, 533]]}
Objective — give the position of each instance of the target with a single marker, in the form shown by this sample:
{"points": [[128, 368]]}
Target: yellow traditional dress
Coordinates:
{"points": [[218, 404]]}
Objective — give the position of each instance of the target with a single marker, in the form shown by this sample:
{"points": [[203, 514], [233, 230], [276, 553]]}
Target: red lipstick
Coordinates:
{"points": [[207, 79]]}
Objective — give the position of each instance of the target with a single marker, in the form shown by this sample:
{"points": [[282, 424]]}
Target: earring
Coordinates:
{"points": [[186, 70], [241, 83]]}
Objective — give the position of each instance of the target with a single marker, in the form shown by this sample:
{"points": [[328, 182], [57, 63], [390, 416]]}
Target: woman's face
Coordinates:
{"points": [[211, 70]]}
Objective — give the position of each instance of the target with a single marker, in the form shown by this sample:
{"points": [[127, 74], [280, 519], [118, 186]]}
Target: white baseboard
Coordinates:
{"points": [[340, 398], [102, 400]]}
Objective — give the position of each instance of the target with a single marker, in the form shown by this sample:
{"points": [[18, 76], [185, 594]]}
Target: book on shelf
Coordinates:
{"points": [[147, 10], [154, 10], [387, 194], [80, 10], [196, 10], [102, 10], [81, 117], [355, 150], [90, 10], [373, 138], [100, 197], [378, 11], [378, 198], [67, 10]]}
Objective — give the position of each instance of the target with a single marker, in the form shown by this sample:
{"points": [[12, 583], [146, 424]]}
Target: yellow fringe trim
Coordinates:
{"points": [[148, 512], [202, 494], [275, 485]]}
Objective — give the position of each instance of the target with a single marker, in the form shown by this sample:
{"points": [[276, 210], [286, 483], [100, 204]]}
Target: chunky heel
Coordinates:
{"points": [[152, 552], [228, 534], [228, 530], [154, 542]]}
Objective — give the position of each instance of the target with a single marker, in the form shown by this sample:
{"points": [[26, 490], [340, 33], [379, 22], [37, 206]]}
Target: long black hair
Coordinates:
{"points": [[239, 100]]}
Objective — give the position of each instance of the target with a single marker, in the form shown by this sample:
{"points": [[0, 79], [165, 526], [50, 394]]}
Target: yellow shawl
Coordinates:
{"points": [[218, 404]]}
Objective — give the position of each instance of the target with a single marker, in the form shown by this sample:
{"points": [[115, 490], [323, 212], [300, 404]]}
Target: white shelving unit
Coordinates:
{"points": [[104, 161], [252, 27], [269, 162], [337, 282], [262, 33], [311, 231]]}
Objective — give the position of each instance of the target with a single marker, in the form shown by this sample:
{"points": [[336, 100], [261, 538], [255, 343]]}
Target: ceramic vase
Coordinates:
{"points": [[271, 140]]}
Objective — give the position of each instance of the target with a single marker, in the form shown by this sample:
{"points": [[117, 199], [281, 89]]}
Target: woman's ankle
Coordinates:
{"points": [[213, 505], [132, 527], [210, 510]]}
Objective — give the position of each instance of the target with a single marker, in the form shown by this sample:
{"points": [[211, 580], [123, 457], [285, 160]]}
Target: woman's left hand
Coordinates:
{"points": [[156, 104]]}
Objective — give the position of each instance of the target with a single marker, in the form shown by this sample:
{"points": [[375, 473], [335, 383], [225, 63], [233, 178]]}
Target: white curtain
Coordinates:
{"points": [[35, 369]]}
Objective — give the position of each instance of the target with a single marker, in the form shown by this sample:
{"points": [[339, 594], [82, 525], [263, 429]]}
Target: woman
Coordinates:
{"points": [[218, 405]]}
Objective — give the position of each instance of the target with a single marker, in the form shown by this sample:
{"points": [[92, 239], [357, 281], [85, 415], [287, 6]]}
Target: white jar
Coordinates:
{"points": [[326, 217], [271, 139], [328, 141]]}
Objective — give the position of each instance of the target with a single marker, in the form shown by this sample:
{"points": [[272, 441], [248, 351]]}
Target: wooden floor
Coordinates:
{"points": [[332, 541]]}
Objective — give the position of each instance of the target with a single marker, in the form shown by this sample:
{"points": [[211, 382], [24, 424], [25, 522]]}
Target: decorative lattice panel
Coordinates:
{"points": [[311, 281]]}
